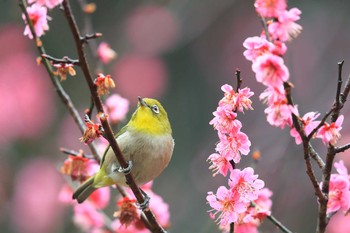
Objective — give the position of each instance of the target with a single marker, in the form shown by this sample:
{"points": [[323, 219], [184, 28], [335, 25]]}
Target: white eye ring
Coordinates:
{"points": [[155, 109]]}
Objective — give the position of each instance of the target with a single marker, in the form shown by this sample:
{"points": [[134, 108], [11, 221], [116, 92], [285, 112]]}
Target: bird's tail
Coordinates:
{"points": [[84, 190]]}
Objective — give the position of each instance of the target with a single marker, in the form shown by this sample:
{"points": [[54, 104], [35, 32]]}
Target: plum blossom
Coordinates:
{"points": [[117, 108], [76, 167], [285, 28], [232, 145], [232, 203], [219, 164], [92, 131], [257, 46], [279, 114], [270, 8], [246, 184], [270, 70], [309, 123], [236, 101], [330, 133], [105, 53], [339, 189], [227, 204], [38, 15], [63, 69], [225, 120], [48, 3], [156, 204], [104, 83]]}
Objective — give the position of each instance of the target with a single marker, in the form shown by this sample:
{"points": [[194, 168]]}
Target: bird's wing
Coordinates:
{"points": [[116, 136]]}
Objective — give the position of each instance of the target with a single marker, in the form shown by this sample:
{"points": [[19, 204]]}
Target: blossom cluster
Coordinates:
{"points": [[339, 190], [89, 216], [266, 54], [234, 204]]}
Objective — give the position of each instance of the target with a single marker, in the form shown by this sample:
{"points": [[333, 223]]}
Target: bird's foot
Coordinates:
{"points": [[144, 205], [125, 170]]}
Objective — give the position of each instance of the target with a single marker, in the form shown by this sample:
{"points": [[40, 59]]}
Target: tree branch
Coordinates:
{"points": [[306, 146], [331, 152], [98, 103], [64, 60]]}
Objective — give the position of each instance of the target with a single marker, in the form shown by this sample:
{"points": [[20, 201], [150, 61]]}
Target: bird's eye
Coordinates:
{"points": [[155, 109]]}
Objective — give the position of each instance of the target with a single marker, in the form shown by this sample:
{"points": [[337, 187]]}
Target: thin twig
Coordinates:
{"points": [[107, 128], [64, 60], [344, 95], [239, 79], [87, 37], [267, 34], [77, 153], [338, 104], [64, 97], [278, 224], [306, 145], [323, 120], [232, 227], [342, 148]]}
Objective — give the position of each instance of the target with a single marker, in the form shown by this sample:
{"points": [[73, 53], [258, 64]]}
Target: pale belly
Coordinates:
{"points": [[149, 156]]}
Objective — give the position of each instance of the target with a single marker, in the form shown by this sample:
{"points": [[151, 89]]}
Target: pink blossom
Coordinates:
{"points": [[225, 120], [38, 16], [246, 184], [158, 206], [330, 133], [132, 228], [270, 70], [105, 53], [87, 217], [285, 29], [232, 145], [48, 3], [117, 108], [339, 193], [258, 46], [270, 8], [273, 94], [251, 219], [227, 203], [219, 164], [243, 100], [309, 124], [279, 114]]}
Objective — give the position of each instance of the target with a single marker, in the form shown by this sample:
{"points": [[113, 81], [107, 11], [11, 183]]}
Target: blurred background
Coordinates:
{"points": [[180, 52]]}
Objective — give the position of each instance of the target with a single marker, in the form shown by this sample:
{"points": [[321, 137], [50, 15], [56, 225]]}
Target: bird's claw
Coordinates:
{"points": [[144, 205], [125, 170]]}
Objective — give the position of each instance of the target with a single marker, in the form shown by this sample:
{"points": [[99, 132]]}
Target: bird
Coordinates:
{"points": [[146, 141]]}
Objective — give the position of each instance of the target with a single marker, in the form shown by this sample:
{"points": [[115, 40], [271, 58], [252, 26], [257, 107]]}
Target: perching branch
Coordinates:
{"points": [[98, 103]]}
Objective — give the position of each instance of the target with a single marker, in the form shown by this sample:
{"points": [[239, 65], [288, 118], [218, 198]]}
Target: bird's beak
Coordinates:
{"points": [[142, 102]]}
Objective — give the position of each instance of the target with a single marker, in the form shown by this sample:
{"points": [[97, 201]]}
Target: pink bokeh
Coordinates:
{"points": [[339, 224], [137, 75], [152, 29], [27, 106], [35, 207]]}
